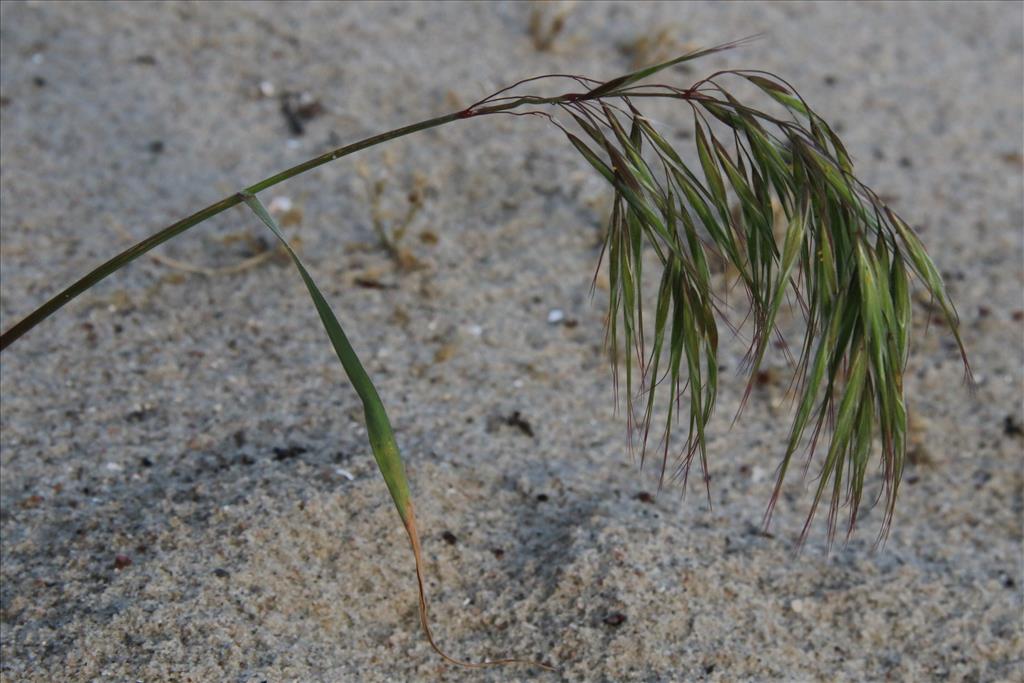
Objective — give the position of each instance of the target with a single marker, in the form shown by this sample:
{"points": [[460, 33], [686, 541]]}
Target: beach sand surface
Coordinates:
{"points": [[187, 493]]}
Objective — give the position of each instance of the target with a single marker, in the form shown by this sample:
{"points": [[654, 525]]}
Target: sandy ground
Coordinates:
{"points": [[187, 494]]}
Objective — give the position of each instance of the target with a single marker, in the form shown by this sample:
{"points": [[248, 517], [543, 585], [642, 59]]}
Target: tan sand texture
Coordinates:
{"points": [[186, 491]]}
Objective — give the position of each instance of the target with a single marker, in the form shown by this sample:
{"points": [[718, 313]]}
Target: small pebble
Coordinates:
{"points": [[556, 316], [31, 502], [280, 204], [615, 619]]}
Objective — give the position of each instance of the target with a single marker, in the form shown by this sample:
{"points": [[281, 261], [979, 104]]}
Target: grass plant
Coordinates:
{"points": [[844, 259]]}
